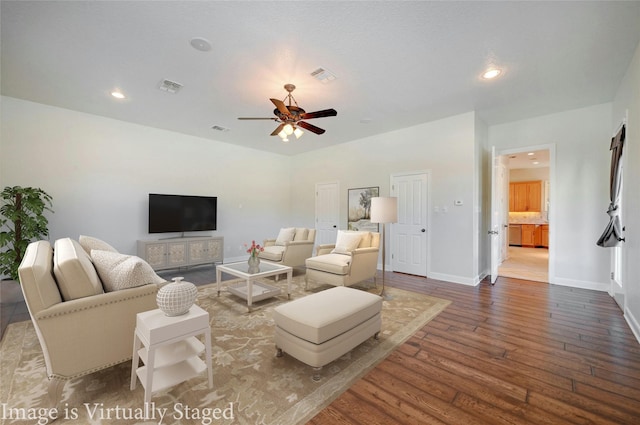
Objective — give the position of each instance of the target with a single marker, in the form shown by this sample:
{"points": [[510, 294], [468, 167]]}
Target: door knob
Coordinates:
{"points": [[334, 226], [423, 230]]}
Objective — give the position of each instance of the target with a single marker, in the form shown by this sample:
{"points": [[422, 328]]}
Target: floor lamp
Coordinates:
{"points": [[384, 210]]}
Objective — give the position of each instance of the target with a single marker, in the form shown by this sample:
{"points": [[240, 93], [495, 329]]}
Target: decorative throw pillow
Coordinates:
{"points": [[120, 271], [346, 243], [89, 243], [302, 234], [285, 235]]}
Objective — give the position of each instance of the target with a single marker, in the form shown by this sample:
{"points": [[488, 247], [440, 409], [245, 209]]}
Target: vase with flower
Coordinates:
{"points": [[254, 261]]}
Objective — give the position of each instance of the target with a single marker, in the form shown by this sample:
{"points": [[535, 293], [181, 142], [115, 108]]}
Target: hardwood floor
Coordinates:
{"points": [[519, 352]]}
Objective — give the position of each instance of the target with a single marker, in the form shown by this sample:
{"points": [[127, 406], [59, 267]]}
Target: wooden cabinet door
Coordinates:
{"points": [[537, 236], [528, 231], [512, 199], [544, 234], [525, 196], [520, 197], [534, 196]]}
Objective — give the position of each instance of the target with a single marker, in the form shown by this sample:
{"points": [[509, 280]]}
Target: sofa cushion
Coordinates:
{"points": [[285, 235], [89, 243], [324, 315], [36, 277], [330, 263], [120, 271], [365, 241], [347, 242], [302, 234], [74, 272], [272, 253]]}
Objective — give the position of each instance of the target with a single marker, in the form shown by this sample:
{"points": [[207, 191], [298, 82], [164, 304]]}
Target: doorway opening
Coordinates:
{"points": [[525, 254]]}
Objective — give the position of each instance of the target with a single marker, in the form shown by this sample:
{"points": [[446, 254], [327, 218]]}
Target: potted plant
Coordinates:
{"points": [[21, 221]]}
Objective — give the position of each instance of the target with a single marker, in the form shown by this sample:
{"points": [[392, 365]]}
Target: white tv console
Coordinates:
{"points": [[181, 252]]}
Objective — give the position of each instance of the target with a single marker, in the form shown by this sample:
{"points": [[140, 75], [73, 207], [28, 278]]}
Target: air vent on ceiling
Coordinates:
{"points": [[323, 75], [170, 86], [220, 128]]}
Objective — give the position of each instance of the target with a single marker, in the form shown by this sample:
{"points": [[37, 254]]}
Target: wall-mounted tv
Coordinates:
{"points": [[181, 213]]}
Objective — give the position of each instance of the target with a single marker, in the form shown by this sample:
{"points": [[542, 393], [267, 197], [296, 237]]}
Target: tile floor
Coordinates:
{"points": [[526, 263]]}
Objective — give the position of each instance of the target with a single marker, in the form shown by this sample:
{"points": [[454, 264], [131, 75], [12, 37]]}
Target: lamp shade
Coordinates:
{"points": [[384, 210]]}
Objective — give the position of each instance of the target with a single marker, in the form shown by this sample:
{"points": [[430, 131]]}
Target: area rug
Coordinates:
{"points": [[251, 384]]}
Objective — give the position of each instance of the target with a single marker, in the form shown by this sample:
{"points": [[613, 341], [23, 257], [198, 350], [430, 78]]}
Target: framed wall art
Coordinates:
{"points": [[359, 204]]}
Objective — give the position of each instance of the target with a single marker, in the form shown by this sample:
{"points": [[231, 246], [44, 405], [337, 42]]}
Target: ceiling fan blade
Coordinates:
{"points": [[319, 114], [310, 127], [281, 107], [252, 118], [278, 130]]}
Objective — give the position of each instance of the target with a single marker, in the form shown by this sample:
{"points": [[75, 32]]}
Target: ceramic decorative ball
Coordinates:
{"points": [[177, 297]]}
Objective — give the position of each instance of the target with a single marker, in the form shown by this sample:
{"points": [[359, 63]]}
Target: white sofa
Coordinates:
{"points": [[352, 259], [81, 327]]}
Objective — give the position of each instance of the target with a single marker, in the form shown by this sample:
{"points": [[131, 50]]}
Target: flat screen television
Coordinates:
{"points": [[181, 213]]}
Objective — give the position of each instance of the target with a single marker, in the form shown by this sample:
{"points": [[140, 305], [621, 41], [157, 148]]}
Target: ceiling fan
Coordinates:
{"points": [[291, 117]]}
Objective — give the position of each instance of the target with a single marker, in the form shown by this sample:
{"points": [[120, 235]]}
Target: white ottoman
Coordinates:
{"points": [[319, 328]]}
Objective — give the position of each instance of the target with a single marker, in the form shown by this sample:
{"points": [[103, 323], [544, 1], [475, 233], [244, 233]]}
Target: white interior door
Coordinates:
{"points": [[494, 231], [327, 212], [409, 236]]}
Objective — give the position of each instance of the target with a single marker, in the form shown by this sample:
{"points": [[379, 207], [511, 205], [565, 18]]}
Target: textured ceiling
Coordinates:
{"points": [[397, 63]]}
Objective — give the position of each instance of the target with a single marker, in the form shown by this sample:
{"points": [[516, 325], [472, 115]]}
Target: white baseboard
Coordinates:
{"points": [[583, 284], [633, 323], [454, 279]]}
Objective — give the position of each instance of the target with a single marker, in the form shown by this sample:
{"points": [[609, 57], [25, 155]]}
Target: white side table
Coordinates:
{"points": [[169, 349]]}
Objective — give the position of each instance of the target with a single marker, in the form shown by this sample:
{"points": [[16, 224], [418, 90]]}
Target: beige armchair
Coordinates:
{"points": [[352, 259], [81, 328], [291, 248]]}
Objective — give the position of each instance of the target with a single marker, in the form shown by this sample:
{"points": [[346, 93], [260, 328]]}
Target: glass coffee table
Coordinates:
{"points": [[247, 287]]}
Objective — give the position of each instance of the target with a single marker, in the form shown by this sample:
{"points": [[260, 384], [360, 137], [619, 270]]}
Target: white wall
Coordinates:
{"points": [[627, 100], [528, 174], [580, 191], [99, 172], [446, 147]]}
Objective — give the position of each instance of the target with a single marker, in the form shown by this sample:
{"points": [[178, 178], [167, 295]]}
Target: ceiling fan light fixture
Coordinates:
{"points": [[282, 134], [288, 129], [298, 133]]}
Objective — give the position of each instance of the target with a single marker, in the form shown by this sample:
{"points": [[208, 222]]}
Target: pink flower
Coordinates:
{"points": [[254, 249]]}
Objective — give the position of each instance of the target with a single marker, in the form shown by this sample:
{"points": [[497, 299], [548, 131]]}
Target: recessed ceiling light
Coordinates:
{"points": [[491, 73], [535, 163], [530, 153], [201, 44], [117, 94]]}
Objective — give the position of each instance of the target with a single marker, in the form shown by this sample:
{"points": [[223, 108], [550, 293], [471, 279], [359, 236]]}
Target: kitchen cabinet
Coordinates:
{"points": [[525, 196], [528, 234], [544, 235]]}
